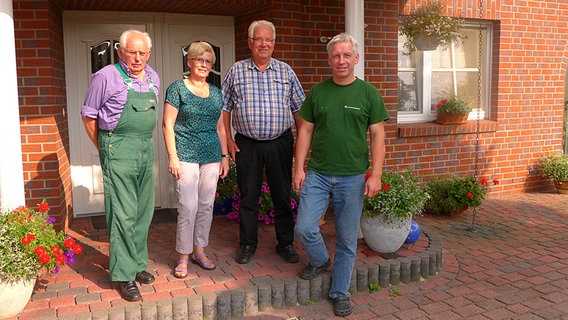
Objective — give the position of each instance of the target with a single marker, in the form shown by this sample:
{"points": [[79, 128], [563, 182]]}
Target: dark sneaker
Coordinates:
{"points": [[311, 271], [144, 277], [129, 291], [288, 254], [245, 254], [342, 306]]}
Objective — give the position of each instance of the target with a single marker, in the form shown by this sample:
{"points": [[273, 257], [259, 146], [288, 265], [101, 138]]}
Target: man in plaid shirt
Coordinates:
{"points": [[262, 96]]}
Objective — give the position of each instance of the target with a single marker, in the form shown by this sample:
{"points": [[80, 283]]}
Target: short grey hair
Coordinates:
{"points": [[260, 23], [343, 37], [130, 32], [198, 48]]}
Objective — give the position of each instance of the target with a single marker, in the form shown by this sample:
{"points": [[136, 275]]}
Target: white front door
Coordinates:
{"points": [[90, 41]]}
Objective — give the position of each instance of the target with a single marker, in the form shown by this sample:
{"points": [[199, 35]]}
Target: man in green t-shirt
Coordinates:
{"points": [[338, 113]]}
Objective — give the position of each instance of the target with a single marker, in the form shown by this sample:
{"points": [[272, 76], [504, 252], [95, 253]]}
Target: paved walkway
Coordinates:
{"points": [[513, 265]]}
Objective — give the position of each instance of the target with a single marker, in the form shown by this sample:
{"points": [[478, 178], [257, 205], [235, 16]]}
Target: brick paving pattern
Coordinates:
{"points": [[513, 265]]}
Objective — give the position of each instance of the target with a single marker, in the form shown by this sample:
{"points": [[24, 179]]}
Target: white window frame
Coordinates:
{"points": [[423, 72]]}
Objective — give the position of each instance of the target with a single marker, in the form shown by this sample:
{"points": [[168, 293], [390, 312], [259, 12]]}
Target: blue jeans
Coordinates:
{"points": [[347, 193]]}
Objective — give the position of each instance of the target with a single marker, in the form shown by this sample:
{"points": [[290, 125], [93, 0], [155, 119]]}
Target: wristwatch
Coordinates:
{"points": [[226, 155]]}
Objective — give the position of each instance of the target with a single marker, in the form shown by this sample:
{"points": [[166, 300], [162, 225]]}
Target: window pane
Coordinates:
{"points": [[467, 86], [103, 54], [442, 87], [441, 59], [407, 92], [467, 54]]}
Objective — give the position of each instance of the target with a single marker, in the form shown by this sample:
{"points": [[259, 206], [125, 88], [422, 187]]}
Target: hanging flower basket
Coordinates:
{"points": [[424, 42]]}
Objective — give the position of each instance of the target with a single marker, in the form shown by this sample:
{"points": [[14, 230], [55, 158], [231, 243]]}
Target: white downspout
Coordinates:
{"points": [[355, 25], [11, 168]]}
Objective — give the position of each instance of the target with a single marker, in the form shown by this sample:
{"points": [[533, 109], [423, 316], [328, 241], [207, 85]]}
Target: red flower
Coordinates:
{"points": [[385, 187], [69, 242], [56, 249], [60, 258], [77, 249], [367, 175], [43, 207], [28, 238], [45, 258], [470, 195], [39, 250], [495, 181], [483, 181], [444, 101]]}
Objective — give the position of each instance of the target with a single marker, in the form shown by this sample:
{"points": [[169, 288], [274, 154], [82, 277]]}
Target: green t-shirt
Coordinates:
{"points": [[341, 116]]}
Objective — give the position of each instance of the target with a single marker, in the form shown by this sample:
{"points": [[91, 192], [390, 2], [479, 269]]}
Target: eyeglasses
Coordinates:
{"points": [[261, 40], [202, 61], [142, 54]]}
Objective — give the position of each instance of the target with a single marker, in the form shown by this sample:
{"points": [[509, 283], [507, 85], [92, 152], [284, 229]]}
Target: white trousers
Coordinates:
{"points": [[196, 194]]}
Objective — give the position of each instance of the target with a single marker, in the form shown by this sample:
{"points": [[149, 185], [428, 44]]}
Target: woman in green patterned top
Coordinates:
{"points": [[197, 151]]}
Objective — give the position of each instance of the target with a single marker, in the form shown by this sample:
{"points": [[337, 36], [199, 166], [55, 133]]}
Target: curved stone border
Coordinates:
{"points": [[278, 294]]}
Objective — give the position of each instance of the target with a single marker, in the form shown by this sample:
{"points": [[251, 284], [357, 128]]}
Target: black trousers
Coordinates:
{"points": [[273, 159]]}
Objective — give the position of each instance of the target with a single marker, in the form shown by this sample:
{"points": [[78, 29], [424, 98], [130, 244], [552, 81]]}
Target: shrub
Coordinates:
{"points": [[453, 194]]}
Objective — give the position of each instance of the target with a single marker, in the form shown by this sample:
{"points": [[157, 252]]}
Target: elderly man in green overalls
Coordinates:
{"points": [[120, 114]]}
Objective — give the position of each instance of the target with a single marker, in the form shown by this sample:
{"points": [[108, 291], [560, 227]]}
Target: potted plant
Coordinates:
{"points": [[452, 111], [426, 28], [451, 195], [387, 217], [555, 167], [29, 245]]}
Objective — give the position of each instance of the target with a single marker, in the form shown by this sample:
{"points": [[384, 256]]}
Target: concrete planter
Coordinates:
{"points": [[385, 237], [14, 296]]}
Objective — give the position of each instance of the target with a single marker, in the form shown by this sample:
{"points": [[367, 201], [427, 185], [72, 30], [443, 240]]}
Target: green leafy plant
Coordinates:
{"points": [[430, 21], [554, 166], [374, 286], [453, 194], [454, 105], [395, 291], [402, 196], [29, 244]]}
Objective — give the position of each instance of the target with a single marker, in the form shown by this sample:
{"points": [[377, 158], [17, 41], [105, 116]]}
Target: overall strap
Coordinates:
{"points": [[128, 81]]}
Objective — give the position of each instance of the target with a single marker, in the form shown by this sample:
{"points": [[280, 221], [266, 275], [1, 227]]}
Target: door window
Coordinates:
{"points": [[103, 54]]}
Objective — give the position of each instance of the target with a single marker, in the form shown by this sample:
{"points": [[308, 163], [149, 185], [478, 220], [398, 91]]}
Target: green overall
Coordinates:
{"points": [[127, 161]]}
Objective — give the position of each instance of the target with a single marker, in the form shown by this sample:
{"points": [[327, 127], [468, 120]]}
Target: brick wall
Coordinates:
{"points": [[42, 99], [529, 68]]}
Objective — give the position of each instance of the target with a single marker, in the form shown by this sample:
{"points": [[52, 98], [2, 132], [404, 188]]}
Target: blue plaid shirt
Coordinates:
{"points": [[262, 103]]}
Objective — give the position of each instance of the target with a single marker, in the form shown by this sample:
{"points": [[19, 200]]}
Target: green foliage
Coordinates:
{"points": [[29, 243], [374, 286], [394, 292], [429, 20], [455, 105], [554, 166], [402, 196], [450, 195]]}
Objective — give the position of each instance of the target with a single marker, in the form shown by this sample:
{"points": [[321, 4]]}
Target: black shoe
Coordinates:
{"points": [[288, 253], [245, 253], [341, 306], [144, 277], [311, 272], [129, 291]]}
